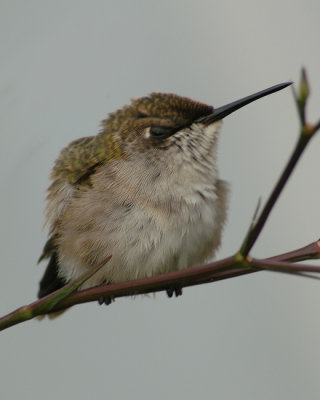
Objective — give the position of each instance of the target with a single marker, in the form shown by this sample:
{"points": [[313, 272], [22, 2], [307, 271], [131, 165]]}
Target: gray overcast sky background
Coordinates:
{"points": [[64, 66]]}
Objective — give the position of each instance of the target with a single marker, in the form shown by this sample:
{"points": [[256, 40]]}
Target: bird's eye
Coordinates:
{"points": [[161, 132]]}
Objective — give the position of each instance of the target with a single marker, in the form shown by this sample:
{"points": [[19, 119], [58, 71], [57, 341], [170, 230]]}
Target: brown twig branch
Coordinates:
{"points": [[223, 269]]}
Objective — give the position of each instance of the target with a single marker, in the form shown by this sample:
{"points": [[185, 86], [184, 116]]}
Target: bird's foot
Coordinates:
{"points": [[174, 290], [107, 300]]}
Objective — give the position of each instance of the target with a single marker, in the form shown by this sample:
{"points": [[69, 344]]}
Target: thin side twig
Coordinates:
{"points": [[307, 131]]}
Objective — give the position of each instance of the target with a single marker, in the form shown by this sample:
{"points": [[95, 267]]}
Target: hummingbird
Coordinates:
{"points": [[145, 190]]}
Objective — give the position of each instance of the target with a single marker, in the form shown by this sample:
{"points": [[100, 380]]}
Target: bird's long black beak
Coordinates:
{"points": [[221, 112]]}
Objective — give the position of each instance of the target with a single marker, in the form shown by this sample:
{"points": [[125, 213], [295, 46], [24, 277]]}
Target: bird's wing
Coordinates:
{"points": [[74, 167]]}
